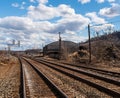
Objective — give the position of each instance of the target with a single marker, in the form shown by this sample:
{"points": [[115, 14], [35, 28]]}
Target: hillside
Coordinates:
{"points": [[104, 48], [113, 37]]}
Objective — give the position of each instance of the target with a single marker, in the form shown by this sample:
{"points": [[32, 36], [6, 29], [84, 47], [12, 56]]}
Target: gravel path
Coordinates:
{"points": [[10, 78]]}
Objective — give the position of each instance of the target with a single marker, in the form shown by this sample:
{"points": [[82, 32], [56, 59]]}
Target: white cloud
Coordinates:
{"points": [[32, 1], [42, 1], [43, 12], [23, 3], [15, 4], [25, 29], [95, 19], [111, 1], [98, 24], [100, 1], [110, 12], [76, 38], [37, 25], [105, 28], [14, 22], [20, 6], [39, 1], [84, 1], [71, 23], [65, 10]]}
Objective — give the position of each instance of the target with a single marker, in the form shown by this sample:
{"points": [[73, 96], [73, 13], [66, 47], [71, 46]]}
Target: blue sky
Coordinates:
{"points": [[37, 22]]}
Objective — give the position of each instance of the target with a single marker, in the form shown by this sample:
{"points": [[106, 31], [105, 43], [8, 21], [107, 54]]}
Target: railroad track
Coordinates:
{"points": [[98, 70], [103, 84], [34, 83], [96, 73]]}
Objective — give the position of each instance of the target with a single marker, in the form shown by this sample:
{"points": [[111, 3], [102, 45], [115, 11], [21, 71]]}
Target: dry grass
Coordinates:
{"points": [[9, 77]]}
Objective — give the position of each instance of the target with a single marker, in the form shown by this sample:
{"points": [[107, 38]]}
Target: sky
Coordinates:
{"points": [[36, 23]]}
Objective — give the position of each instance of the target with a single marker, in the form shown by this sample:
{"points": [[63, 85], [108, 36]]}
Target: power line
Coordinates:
{"points": [[117, 21]]}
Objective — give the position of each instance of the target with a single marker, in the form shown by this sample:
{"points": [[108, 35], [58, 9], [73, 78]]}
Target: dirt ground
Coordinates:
{"points": [[9, 77]]}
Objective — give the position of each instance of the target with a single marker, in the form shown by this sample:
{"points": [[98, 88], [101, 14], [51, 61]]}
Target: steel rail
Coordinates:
{"points": [[22, 90], [115, 74], [111, 73], [109, 80], [57, 91], [95, 85]]}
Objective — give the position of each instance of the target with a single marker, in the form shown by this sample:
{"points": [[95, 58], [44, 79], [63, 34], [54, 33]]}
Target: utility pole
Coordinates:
{"points": [[18, 43], [89, 43], [43, 50], [59, 46], [9, 51]]}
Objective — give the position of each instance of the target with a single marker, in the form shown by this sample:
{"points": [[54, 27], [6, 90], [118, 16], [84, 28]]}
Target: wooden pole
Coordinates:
{"points": [[59, 46], [89, 43]]}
